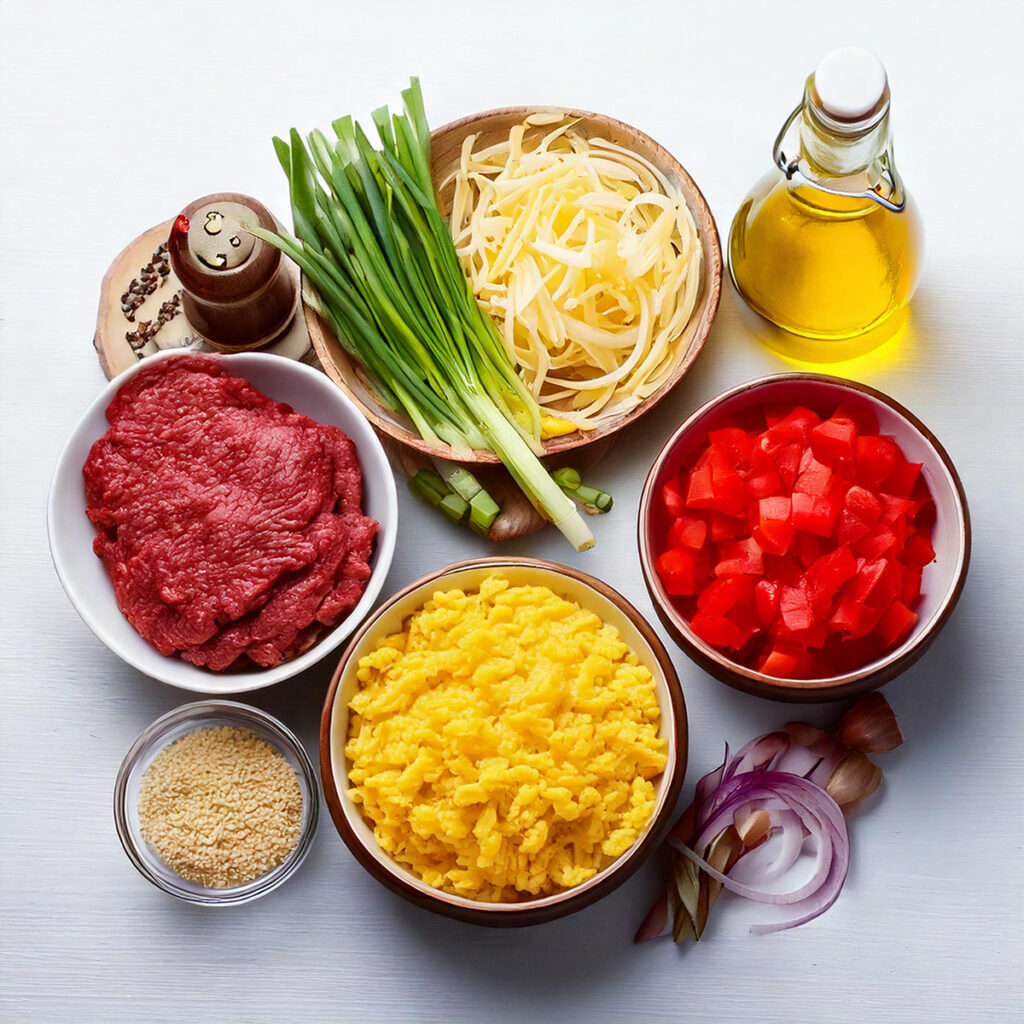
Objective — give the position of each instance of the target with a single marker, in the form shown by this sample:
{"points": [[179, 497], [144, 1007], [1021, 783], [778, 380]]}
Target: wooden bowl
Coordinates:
{"points": [[358, 835], [493, 126], [943, 580]]}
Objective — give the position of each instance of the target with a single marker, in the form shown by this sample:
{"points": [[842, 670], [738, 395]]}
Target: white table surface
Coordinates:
{"points": [[113, 116]]}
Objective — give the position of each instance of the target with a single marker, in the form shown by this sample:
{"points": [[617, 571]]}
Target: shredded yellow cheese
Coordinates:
{"points": [[588, 258], [505, 744]]}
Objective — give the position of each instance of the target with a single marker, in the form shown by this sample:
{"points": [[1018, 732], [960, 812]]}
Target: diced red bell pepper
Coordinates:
{"points": [[863, 416], [787, 463], [815, 515], [794, 426], [876, 457], [815, 636], [826, 576], [700, 490], [718, 631], [726, 527], [720, 595], [762, 478], [903, 477], [911, 590], [673, 493], [918, 551], [879, 542], [782, 662], [815, 478], [735, 442], [795, 609], [729, 495], [740, 557], [774, 528], [678, 571], [863, 504], [925, 513], [746, 622], [688, 531], [897, 509], [895, 624], [833, 441], [809, 548], [766, 601], [784, 569]]}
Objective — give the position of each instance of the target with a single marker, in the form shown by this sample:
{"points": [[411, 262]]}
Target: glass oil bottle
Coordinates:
{"points": [[828, 245]]}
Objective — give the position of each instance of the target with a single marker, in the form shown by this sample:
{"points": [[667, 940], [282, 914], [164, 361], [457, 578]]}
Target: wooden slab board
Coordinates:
{"points": [[140, 314]]}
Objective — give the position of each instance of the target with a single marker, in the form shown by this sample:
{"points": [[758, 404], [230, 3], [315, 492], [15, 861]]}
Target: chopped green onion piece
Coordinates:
{"points": [[590, 496], [483, 510], [454, 507], [567, 478]]}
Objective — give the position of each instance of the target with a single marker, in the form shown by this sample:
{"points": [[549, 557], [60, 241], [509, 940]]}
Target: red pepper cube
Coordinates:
{"points": [[726, 527], [809, 548], [815, 514], [766, 601], [700, 491], [740, 558], [918, 551], [879, 542], [876, 457], [897, 510], [863, 416], [781, 662], [815, 636], [729, 495], [773, 529], [783, 569], [689, 532], [735, 442], [834, 441], [794, 426], [827, 576], [903, 477], [815, 477], [911, 589], [895, 624], [673, 494], [863, 504], [678, 571], [925, 513], [746, 622], [850, 528], [718, 631], [787, 463], [762, 478], [795, 611]]}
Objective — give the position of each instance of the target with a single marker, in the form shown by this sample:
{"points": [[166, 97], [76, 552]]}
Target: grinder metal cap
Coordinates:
{"points": [[236, 292]]}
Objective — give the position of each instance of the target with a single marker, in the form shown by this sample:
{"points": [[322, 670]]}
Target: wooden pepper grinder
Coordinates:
{"points": [[236, 292]]}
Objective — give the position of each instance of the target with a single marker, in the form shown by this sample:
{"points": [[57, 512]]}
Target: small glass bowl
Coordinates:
{"points": [[165, 730]]}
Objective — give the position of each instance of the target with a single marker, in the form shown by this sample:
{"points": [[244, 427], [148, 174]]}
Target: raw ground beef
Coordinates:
{"points": [[231, 526]]}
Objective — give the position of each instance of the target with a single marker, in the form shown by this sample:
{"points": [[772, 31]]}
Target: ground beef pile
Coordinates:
{"points": [[231, 526]]}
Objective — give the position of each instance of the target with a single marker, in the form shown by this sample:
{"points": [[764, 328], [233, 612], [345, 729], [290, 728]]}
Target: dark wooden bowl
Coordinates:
{"points": [[943, 580], [492, 126], [358, 836]]}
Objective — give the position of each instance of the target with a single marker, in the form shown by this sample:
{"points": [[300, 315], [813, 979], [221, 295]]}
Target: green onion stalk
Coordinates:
{"points": [[381, 269]]}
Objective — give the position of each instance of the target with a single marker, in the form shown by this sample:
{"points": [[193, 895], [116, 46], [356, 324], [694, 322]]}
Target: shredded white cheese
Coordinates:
{"points": [[588, 258]]}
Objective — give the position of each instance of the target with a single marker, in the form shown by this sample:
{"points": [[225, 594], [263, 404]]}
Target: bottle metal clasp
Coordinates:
{"points": [[896, 201]]}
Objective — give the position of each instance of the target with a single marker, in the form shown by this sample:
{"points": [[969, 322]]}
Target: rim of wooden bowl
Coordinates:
{"points": [[349, 377], [528, 912], [800, 691]]}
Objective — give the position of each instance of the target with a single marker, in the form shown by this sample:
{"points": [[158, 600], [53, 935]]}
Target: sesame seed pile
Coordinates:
{"points": [[220, 806]]}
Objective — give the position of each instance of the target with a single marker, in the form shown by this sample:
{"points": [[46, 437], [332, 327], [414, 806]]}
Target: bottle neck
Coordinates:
{"points": [[842, 154]]}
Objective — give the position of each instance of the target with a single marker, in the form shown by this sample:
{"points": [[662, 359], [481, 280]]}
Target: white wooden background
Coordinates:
{"points": [[114, 115]]}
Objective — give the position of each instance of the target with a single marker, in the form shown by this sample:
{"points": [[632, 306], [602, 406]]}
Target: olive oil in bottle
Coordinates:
{"points": [[828, 245]]}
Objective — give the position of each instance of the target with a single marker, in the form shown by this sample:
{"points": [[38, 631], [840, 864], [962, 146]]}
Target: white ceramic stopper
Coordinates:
{"points": [[850, 81]]}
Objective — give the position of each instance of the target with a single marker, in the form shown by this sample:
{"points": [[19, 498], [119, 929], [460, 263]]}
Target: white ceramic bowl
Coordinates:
{"points": [[942, 582], [85, 579], [590, 593]]}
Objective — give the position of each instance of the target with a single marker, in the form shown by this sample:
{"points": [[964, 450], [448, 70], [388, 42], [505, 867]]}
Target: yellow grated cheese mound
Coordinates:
{"points": [[504, 745], [220, 806]]}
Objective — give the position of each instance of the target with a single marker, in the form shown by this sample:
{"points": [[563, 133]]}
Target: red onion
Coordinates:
{"points": [[752, 816]]}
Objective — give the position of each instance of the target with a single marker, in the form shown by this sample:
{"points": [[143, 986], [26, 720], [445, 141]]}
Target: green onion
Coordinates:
{"points": [[382, 270], [569, 480]]}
